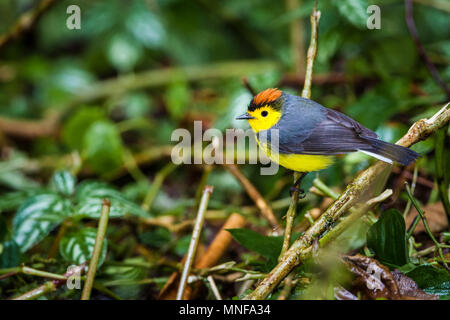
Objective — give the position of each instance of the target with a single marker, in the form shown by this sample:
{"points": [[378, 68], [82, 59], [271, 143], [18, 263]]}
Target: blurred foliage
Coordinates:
{"points": [[110, 142]]}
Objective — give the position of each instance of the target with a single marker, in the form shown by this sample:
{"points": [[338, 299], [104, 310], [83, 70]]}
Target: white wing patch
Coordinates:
{"points": [[377, 156]]}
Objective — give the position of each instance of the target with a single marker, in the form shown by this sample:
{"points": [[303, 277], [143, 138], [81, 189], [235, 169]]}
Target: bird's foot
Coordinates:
{"points": [[301, 192]]}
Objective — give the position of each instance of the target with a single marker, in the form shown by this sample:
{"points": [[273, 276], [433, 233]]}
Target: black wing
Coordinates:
{"points": [[336, 133]]}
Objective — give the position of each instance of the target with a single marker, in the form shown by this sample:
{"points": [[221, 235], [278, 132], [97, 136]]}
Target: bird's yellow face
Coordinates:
{"points": [[263, 118], [264, 111]]}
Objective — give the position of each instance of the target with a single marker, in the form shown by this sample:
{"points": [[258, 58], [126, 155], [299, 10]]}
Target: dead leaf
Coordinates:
{"points": [[374, 280], [409, 289]]}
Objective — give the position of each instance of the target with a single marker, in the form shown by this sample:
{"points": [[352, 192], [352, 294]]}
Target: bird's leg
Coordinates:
{"points": [[296, 186]]}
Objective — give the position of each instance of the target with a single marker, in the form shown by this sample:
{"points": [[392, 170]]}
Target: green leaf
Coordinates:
{"points": [[156, 238], [269, 247], [29, 223], [124, 52], [9, 254], [77, 247], [103, 147], [89, 196], [130, 274], [432, 280], [64, 182], [354, 11], [177, 99], [387, 238], [75, 128], [12, 200]]}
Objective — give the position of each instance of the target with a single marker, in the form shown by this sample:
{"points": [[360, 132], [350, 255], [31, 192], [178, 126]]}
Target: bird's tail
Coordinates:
{"points": [[389, 152]]}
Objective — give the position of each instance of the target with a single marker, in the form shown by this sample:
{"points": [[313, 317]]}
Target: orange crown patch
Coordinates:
{"points": [[267, 96]]}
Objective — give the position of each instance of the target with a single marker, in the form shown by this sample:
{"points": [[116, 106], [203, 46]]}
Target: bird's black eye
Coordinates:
{"points": [[264, 113]]}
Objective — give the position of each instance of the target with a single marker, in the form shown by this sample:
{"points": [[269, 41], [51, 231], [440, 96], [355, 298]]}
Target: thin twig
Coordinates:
{"points": [[29, 271], [50, 286], [102, 225], [288, 284], [194, 240], [321, 186], [312, 52], [156, 185], [413, 188], [214, 288], [306, 93]]}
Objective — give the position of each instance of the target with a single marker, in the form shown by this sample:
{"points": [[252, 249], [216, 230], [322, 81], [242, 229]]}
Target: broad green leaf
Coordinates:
{"points": [[387, 238], [64, 182], [77, 247], [354, 11], [9, 254], [29, 224], [267, 246], [432, 280], [89, 196], [77, 125], [103, 147], [91, 208]]}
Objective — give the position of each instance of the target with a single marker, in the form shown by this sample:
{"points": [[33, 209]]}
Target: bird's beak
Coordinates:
{"points": [[245, 116]]}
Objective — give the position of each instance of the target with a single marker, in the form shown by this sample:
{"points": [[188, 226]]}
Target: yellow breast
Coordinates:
{"points": [[299, 162]]}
